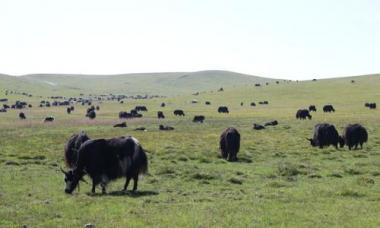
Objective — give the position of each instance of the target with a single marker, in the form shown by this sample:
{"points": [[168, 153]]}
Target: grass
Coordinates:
{"points": [[279, 179]]}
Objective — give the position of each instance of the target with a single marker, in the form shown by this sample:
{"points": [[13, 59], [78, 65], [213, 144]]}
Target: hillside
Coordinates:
{"points": [[144, 83]]}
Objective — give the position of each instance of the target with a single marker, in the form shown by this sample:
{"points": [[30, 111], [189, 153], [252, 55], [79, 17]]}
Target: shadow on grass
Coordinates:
{"points": [[123, 193]]}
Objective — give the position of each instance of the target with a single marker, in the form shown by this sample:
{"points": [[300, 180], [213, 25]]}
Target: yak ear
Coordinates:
{"points": [[63, 171]]}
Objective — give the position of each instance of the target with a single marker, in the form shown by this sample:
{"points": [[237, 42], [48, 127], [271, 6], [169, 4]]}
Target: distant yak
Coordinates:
{"points": [[179, 112], [229, 144], [22, 116], [223, 109], [258, 126], [312, 108], [122, 125], [271, 123], [165, 128], [198, 119], [328, 108], [160, 115], [302, 114], [49, 119]]}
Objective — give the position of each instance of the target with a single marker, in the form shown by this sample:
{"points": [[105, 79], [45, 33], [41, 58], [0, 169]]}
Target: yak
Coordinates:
{"points": [[179, 112], [123, 124], [229, 144], [328, 108], [258, 126], [354, 135], [49, 119], [223, 109], [312, 108], [253, 104], [141, 108], [105, 160], [165, 128], [370, 105], [72, 146], [198, 119], [68, 110], [160, 115], [22, 116], [208, 103], [163, 104], [271, 123], [325, 135], [91, 114], [302, 114], [140, 129]]}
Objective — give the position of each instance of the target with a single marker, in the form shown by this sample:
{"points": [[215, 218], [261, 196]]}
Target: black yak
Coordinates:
{"points": [[179, 112], [165, 128], [258, 126], [302, 114], [223, 109], [271, 123], [68, 110], [312, 108], [198, 119], [140, 129], [370, 105], [354, 135], [325, 135], [160, 115], [22, 116], [253, 104], [49, 119], [229, 144], [141, 108], [163, 104], [91, 114], [105, 160], [328, 108], [123, 124], [72, 146], [241, 103], [208, 103]]}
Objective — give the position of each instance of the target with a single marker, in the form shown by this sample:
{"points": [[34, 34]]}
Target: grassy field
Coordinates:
{"points": [[279, 179]]}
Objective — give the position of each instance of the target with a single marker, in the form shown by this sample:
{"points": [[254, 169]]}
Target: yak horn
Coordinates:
{"points": [[63, 171]]}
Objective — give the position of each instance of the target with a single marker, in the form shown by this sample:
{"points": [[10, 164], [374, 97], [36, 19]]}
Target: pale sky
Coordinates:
{"points": [[294, 39]]}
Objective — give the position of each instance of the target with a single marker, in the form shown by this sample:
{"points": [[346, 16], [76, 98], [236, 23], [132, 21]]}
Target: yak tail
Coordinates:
{"points": [[142, 161]]}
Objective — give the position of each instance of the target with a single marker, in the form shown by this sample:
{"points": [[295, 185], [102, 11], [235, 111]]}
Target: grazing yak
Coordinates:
{"points": [[198, 119], [302, 114], [179, 112], [208, 103], [72, 146], [223, 109], [105, 160], [49, 119], [370, 105], [141, 108], [312, 108], [241, 103], [165, 128], [263, 102], [140, 129], [253, 104], [160, 115], [325, 135], [91, 115], [271, 123], [328, 108], [123, 124], [163, 104], [229, 144], [22, 116], [354, 135], [68, 110], [3, 110], [258, 126]]}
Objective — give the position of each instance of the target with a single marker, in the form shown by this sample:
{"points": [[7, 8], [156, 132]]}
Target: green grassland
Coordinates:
{"points": [[279, 179]]}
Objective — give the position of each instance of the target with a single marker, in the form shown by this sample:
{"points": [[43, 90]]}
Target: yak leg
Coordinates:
{"points": [[126, 183], [103, 185], [356, 146], [135, 180], [93, 187], [361, 145]]}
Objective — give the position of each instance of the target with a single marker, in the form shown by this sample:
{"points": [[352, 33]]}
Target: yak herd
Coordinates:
{"points": [[104, 160]]}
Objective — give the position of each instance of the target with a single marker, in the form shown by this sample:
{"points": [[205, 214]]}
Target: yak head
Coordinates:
{"points": [[312, 143], [72, 178], [341, 141], [309, 116]]}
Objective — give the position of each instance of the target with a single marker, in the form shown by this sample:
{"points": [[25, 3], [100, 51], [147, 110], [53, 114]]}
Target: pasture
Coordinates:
{"points": [[279, 179]]}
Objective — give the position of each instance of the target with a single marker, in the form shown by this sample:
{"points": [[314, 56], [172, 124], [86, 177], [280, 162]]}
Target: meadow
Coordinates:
{"points": [[279, 179]]}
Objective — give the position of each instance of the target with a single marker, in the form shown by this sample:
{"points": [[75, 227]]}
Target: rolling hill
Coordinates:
{"points": [[165, 84]]}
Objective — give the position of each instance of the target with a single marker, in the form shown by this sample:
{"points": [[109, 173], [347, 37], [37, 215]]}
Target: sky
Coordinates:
{"points": [[293, 39]]}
